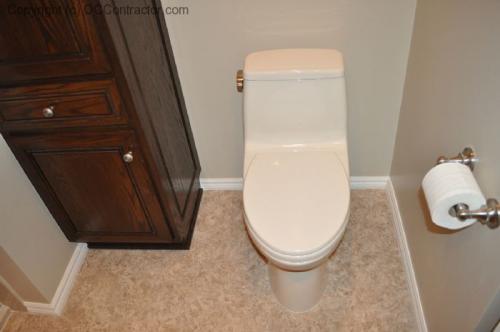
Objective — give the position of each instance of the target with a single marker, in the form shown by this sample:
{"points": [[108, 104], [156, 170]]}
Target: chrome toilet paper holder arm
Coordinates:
{"points": [[488, 214], [467, 157]]}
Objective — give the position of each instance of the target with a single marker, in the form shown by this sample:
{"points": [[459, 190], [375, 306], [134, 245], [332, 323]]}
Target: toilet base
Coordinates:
{"points": [[298, 291]]}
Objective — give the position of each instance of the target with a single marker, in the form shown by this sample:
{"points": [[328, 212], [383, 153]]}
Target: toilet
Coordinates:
{"points": [[296, 190]]}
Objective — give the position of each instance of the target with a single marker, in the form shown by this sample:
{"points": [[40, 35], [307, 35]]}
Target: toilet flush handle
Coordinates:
{"points": [[239, 80]]}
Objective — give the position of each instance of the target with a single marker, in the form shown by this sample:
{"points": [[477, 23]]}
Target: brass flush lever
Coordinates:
{"points": [[239, 80]]}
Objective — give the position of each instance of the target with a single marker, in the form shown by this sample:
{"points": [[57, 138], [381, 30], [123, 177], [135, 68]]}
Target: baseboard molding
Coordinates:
{"points": [[406, 255], [221, 183], [4, 315], [369, 182], [357, 182], [56, 306]]}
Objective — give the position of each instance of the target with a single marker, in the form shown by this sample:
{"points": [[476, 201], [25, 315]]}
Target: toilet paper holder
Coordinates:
{"points": [[488, 214], [467, 157]]}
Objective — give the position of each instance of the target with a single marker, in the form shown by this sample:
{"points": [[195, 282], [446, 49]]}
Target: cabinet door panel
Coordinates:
{"points": [[42, 39], [95, 202], [91, 191]]}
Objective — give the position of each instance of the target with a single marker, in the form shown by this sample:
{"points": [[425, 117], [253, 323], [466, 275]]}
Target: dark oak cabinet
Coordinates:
{"points": [[46, 39], [94, 192], [92, 108]]}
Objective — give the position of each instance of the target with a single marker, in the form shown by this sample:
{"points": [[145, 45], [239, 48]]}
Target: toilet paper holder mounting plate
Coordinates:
{"points": [[486, 215], [467, 157]]}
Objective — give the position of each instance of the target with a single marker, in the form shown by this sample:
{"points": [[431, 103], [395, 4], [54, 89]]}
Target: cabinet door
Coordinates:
{"points": [[46, 39], [95, 184]]}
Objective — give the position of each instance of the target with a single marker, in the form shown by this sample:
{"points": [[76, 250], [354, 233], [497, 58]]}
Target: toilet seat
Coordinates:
{"points": [[296, 204]]}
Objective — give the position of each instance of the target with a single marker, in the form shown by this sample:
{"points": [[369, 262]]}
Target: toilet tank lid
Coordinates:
{"points": [[293, 64]]}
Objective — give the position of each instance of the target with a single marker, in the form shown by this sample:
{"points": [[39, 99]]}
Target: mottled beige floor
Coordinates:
{"points": [[221, 283]]}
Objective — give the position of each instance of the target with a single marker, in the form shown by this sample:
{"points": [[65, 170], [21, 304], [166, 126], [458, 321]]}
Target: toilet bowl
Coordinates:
{"points": [[296, 174]]}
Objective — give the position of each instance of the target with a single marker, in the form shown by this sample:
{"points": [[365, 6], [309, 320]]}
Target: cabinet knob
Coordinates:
{"points": [[48, 112], [128, 157]]}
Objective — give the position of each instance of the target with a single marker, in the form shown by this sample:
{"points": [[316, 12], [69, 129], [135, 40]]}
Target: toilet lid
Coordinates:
{"points": [[296, 202]]}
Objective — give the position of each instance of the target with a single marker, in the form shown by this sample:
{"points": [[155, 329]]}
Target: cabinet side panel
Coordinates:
{"points": [[161, 108]]}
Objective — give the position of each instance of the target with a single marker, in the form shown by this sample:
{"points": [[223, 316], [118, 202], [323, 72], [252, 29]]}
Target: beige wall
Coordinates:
{"points": [[211, 42], [452, 99], [28, 234]]}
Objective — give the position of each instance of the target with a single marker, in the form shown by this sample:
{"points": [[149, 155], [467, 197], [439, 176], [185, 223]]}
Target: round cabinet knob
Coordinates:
{"points": [[128, 157], [48, 112]]}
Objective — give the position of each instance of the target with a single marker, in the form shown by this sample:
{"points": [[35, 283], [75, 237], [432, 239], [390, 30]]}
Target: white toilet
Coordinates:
{"points": [[296, 171]]}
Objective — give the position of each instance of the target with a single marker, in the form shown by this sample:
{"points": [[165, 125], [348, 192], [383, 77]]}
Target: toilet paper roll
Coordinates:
{"points": [[446, 185]]}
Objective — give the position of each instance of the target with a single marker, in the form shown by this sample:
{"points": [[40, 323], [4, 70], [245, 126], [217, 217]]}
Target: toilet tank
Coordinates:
{"points": [[294, 97]]}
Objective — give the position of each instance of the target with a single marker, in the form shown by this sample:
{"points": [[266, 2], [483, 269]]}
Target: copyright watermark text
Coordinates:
{"points": [[90, 9]]}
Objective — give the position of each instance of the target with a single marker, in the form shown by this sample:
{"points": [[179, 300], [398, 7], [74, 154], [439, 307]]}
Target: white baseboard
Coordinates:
{"points": [[406, 255], [369, 182], [56, 306], [357, 182], [221, 183], [4, 315]]}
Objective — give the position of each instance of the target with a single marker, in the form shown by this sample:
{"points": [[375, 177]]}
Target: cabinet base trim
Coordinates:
{"points": [[56, 306], [185, 245]]}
